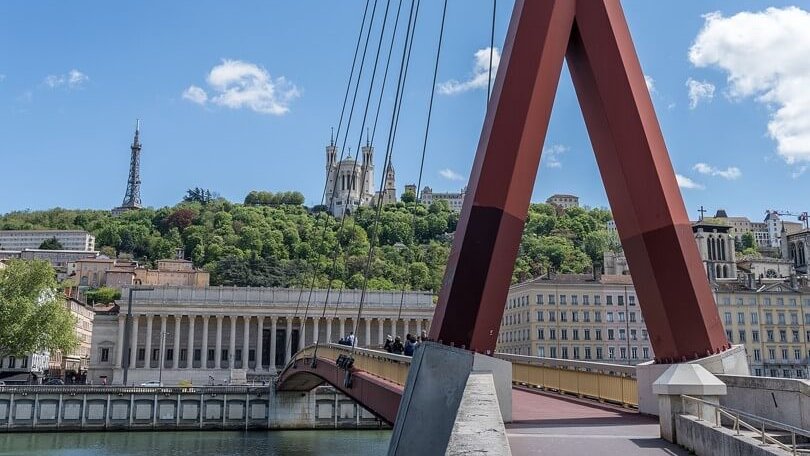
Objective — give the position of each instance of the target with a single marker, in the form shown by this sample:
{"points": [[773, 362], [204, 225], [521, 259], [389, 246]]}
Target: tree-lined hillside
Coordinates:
{"points": [[272, 240]]}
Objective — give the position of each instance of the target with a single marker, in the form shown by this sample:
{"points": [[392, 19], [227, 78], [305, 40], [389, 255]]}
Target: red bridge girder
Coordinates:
{"points": [[377, 395]]}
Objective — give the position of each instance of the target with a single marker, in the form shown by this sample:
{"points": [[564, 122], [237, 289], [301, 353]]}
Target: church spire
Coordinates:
{"points": [[332, 138]]}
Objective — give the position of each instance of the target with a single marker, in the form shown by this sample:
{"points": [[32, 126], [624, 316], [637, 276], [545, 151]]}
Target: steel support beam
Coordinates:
{"points": [[650, 216]]}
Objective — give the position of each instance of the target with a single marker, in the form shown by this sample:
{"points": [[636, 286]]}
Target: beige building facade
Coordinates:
{"points": [[32, 239], [210, 334], [97, 272], [73, 366]]}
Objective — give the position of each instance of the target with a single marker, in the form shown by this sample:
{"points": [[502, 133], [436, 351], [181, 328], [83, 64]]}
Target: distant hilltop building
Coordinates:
{"points": [[454, 199], [350, 184], [132, 197], [767, 234], [563, 201], [32, 239]]}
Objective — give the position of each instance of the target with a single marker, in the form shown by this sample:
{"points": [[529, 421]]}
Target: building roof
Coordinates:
{"points": [[562, 195], [566, 279]]}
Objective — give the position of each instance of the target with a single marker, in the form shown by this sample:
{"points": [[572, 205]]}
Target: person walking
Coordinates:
{"points": [[389, 343], [410, 345], [397, 348]]}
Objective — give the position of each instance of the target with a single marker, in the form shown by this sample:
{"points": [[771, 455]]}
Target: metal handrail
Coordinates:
{"points": [[734, 415], [118, 389], [623, 369]]}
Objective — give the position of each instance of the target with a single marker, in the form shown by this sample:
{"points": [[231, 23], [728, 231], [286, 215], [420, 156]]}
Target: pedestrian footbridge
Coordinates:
{"points": [[376, 379]]}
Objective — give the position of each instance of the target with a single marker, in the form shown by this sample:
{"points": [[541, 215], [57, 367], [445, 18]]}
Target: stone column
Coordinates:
{"points": [[148, 358], [218, 344], [133, 345], [246, 343], [259, 341], [232, 346], [273, 323], [418, 327], [163, 329], [381, 325], [122, 321], [329, 330], [342, 333], [288, 344], [315, 330], [204, 350], [190, 348], [302, 333], [367, 341], [176, 355]]}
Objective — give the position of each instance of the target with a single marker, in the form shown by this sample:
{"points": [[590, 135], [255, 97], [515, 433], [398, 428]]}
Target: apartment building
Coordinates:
{"points": [[32, 239]]}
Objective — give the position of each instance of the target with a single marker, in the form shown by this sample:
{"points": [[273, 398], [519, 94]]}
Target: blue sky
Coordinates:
{"points": [[73, 78]]}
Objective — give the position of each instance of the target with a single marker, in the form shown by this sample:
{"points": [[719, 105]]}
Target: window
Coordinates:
{"points": [[105, 355], [610, 335], [552, 351], [586, 316], [169, 354], [587, 334], [780, 301], [587, 352], [224, 354], [623, 352], [754, 335], [742, 336], [183, 354], [541, 351], [758, 372], [609, 300], [793, 302], [551, 300], [611, 352], [797, 354], [770, 335], [12, 362], [727, 318], [552, 334], [794, 319], [564, 334], [757, 355], [197, 354], [766, 301], [621, 316], [574, 316], [807, 315], [741, 318], [539, 315], [155, 354], [796, 335], [729, 336], [634, 352], [540, 299], [622, 335], [562, 300], [754, 318], [552, 315], [597, 301], [739, 301], [251, 355], [540, 334], [24, 362], [141, 354], [633, 334], [598, 334], [599, 353], [610, 316], [781, 318], [785, 353], [597, 316], [632, 317], [771, 353], [645, 352], [574, 300], [585, 301], [620, 300], [631, 300], [565, 352], [782, 335], [575, 334], [563, 315], [576, 349]]}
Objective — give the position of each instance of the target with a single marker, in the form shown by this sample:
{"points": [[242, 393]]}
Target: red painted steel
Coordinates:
{"points": [[670, 282], [379, 396]]}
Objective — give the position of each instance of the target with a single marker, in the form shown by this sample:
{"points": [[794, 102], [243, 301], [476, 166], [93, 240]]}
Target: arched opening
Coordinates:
{"points": [[725, 271], [718, 271]]}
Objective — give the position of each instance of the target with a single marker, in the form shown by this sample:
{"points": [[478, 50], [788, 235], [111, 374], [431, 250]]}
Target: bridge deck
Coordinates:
{"points": [[550, 425]]}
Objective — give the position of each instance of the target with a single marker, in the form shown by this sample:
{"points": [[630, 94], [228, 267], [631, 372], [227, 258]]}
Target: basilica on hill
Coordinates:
{"points": [[350, 184]]}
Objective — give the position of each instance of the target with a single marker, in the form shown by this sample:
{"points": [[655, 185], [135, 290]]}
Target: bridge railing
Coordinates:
{"points": [[390, 367], [614, 383]]}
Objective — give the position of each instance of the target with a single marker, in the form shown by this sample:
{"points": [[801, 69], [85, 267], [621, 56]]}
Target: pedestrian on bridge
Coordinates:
{"points": [[397, 348], [389, 343], [410, 345]]}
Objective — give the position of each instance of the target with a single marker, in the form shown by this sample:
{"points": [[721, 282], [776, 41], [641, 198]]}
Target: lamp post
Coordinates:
{"points": [[128, 331], [163, 335]]}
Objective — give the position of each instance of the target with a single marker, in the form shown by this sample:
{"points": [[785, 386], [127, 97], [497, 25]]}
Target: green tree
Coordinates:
{"points": [[51, 244], [409, 197], [103, 295], [33, 316], [748, 241]]}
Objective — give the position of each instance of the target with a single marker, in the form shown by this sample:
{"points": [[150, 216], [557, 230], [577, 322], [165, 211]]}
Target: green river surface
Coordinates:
{"points": [[197, 443]]}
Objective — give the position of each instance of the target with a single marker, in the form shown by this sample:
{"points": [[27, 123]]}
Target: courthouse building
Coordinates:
{"points": [[218, 333]]}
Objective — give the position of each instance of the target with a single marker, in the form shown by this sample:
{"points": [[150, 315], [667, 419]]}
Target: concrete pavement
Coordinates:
{"points": [[548, 424]]}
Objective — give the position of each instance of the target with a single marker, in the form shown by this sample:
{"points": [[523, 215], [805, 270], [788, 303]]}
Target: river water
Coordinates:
{"points": [[194, 443]]}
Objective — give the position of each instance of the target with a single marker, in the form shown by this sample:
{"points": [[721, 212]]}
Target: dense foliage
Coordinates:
{"points": [[33, 316], [272, 240]]}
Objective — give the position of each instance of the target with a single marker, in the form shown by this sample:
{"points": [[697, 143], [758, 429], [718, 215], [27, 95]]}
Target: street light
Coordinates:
{"points": [[163, 335], [128, 331]]}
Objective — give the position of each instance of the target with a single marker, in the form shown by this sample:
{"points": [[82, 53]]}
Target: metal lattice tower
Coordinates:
{"points": [[132, 198]]}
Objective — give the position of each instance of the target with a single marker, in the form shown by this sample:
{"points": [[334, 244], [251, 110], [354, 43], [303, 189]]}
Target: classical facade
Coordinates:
{"points": [[213, 333], [455, 200], [32, 239]]}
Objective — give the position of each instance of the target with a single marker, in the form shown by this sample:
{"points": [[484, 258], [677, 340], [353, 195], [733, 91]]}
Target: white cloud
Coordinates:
{"points": [[73, 79], [480, 73], [685, 182], [699, 90], [650, 83], [195, 94], [551, 155], [236, 84], [765, 56], [730, 173], [799, 171], [448, 173]]}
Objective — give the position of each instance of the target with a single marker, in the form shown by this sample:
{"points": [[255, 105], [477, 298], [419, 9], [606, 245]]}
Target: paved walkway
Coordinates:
{"points": [[550, 425]]}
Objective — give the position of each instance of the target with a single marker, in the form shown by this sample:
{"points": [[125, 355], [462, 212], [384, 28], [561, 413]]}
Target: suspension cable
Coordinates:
{"points": [[425, 141], [389, 151], [491, 48]]}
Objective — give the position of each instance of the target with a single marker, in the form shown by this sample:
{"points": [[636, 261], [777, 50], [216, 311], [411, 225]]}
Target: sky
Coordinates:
{"points": [[241, 96]]}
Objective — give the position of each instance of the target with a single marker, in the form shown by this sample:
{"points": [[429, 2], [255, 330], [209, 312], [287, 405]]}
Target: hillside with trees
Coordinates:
{"points": [[273, 240]]}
